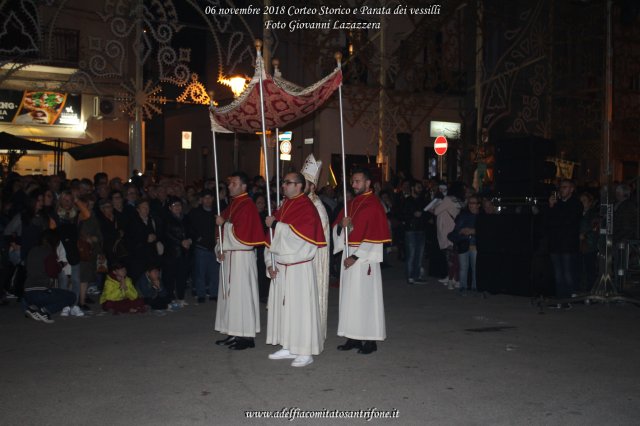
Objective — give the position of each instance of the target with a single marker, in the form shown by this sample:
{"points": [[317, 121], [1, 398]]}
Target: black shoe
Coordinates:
{"points": [[213, 298], [242, 343], [85, 307], [350, 344], [201, 300], [368, 347], [229, 340], [88, 300]]}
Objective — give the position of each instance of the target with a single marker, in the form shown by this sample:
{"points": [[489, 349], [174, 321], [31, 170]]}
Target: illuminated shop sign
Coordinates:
{"points": [[39, 107], [445, 128]]}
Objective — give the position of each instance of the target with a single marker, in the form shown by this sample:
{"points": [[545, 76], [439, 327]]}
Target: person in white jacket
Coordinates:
{"points": [[446, 212]]}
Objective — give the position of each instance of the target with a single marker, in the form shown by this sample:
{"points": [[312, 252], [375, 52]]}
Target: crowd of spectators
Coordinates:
{"points": [[129, 246], [433, 228], [142, 244], [134, 243]]}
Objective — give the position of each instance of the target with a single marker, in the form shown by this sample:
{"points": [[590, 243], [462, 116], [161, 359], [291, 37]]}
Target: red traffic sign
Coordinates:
{"points": [[440, 145]]}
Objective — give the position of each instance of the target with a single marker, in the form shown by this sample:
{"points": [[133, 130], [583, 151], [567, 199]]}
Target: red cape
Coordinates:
{"points": [[368, 219], [247, 226], [303, 219]]}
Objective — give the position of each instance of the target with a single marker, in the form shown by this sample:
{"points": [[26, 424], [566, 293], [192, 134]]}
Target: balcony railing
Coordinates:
{"points": [[61, 47]]}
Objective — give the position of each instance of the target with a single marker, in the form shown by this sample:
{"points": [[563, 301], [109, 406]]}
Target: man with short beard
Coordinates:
{"points": [[238, 314], [361, 318]]}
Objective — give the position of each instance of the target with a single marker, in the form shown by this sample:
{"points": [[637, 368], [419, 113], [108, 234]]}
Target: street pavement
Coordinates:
{"points": [[448, 360]]}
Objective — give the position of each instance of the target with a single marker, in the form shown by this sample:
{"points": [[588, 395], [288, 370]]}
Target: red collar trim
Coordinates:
{"points": [[244, 194]]}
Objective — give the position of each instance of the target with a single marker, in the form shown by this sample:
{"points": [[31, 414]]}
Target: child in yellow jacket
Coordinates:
{"points": [[119, 294]]}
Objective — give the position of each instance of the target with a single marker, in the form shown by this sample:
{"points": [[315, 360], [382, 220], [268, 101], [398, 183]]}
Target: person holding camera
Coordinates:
{"points": [[563, 232]]}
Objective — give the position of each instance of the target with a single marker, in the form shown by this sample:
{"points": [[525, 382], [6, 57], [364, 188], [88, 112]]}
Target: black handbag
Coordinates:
{"points": [[462, 245]]}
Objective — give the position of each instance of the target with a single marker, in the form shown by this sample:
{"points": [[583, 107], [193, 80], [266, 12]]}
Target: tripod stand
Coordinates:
{"points": [[605, 289]]}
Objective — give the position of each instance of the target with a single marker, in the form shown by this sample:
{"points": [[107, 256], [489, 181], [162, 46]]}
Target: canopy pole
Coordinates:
{"points": [[338, 57], [225, 291], [276, 72], [277, 166], [264, 138]]}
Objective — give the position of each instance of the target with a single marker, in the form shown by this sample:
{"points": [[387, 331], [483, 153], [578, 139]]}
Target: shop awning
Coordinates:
{"points": [[15, 143], [105, 148]]}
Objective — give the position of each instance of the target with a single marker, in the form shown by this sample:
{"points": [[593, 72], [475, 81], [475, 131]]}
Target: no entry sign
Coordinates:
{"points": [[440, 145]]}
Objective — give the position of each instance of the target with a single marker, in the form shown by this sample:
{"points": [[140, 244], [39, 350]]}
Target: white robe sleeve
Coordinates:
{"points": [[267, 260], [338, 240], [288, 247], [230, 240], [369, 252]]}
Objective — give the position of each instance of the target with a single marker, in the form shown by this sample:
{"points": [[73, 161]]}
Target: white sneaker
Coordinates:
{"points": [[444, 281], [76, 311], [302, 361], [282, 354], [183, 303], [33, 313], [451, 285], [65, 311], [42, 315]]}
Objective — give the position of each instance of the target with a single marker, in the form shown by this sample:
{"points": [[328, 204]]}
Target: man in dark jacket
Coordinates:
{"points": [[563, 231], [176, 251], [414, 223], [203, 230]]}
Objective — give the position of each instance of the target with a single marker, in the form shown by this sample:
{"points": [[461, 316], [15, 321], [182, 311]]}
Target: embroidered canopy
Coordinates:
{"points": [[284, 102]]}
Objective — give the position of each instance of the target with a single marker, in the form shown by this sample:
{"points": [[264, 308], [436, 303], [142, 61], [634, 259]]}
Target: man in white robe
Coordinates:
{"points": [[361, 317], [311, 171], [293, 308], [237, 313]]}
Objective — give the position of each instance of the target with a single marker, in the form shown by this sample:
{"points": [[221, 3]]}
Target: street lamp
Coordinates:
{"points": [[236, 83]]}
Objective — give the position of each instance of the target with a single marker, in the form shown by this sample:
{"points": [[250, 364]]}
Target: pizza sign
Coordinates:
{"points": [[39, 107]]}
